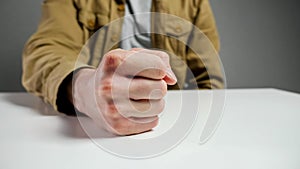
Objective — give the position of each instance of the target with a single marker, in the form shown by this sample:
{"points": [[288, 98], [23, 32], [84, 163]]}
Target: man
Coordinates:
{"points": [[124, 81]]}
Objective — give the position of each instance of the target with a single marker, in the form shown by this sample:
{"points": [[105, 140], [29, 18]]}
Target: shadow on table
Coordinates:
{"points": [[72, 126], [31, 101], [83, 127]]}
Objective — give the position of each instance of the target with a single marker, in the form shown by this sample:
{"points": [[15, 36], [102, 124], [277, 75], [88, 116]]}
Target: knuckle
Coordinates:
{"points": [[105, 87], [163, 54], [112, 113], [112, 59]]}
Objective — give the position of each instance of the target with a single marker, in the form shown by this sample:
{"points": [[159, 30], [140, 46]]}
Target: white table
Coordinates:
{"points": [[260, 128]]}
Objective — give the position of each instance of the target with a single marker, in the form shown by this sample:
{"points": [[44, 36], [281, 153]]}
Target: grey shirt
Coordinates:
{"points": [[136, 28]]}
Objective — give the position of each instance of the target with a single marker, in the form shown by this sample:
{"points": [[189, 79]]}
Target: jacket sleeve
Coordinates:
{"points": [[50, 55], [207, 70]]}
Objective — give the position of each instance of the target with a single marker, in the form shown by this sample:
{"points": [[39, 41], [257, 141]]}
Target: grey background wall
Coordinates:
{"points": [[260, 40], [19, 20]]}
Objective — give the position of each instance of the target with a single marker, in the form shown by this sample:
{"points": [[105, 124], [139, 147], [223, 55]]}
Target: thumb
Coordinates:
{"points": [[170, 77]]}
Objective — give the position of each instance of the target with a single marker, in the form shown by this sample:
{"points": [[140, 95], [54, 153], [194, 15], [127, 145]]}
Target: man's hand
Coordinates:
{"points": [[125, 93]]}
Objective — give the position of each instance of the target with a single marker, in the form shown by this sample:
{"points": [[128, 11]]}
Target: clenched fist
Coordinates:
{"points": [[125, 93]]}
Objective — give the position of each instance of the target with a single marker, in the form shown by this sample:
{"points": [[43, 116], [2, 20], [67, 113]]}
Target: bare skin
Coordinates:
{"points": [[125, 93]]}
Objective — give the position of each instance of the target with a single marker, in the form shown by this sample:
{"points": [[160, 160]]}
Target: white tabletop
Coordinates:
{"points": [[260, 128]]}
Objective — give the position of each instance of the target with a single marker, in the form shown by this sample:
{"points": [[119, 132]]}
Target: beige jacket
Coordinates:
{"points": [[51, 53]]}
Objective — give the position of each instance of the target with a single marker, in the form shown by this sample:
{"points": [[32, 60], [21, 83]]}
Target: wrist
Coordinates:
{"points": [[81, 87]]}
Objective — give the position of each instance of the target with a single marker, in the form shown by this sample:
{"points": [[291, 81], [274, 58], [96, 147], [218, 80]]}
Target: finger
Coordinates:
{"points": [[132, 63], [142, 65], [118, 124], [136, 88], [140, 108], [170, 76], [126, 126], [141, 88]]}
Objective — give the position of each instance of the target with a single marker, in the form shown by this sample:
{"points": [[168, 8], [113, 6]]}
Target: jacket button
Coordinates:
{"points": [[121, 7], [178, 29], [186, 85], [91, 23]]}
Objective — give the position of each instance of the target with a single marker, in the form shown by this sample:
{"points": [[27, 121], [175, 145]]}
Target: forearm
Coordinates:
{"points": [[51, 54]]}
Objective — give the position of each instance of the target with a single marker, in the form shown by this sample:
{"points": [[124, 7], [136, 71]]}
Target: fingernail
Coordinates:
{"points": [[171, 74]]}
